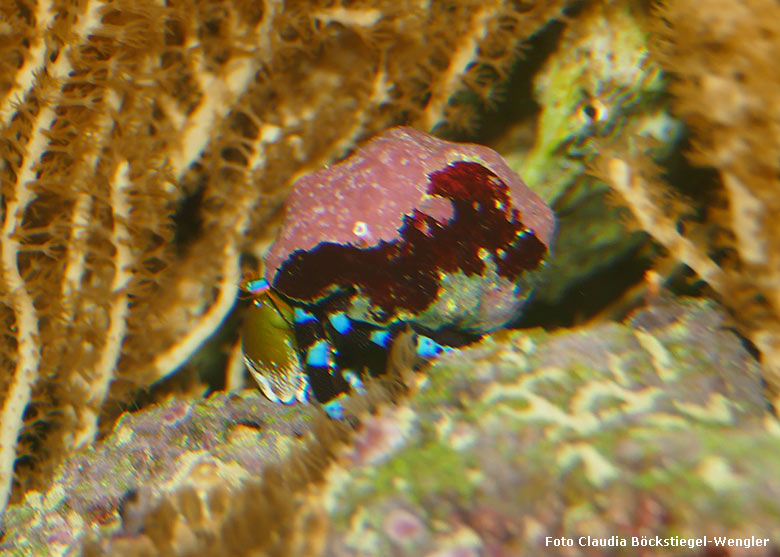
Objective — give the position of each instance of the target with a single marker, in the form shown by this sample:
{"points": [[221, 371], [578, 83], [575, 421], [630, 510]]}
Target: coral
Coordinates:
{"points": [[624, 429], [146, 145], [723, 88]]}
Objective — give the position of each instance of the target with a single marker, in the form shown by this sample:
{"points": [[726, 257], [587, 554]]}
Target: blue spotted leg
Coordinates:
{"points": [[294, 351]]}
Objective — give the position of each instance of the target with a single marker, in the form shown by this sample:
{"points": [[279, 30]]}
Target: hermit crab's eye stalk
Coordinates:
{"points": [[255, 287], [269, 347]]}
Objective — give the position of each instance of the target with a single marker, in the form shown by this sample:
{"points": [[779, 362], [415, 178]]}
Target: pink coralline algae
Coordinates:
{"points": [[380, 436], [403, 527], [412, 228]]}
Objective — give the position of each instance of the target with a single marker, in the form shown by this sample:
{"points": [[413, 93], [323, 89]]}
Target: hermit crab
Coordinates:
{"points": [[409, 232]]}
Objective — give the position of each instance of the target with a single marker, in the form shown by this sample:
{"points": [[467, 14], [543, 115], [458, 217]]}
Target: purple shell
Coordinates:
{"points": [[364, 199]]}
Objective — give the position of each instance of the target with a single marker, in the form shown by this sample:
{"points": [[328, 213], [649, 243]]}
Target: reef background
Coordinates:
{"points": [[146, 147]]}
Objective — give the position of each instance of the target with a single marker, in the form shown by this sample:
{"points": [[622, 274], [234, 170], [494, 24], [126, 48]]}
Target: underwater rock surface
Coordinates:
{"points": [[610, 430], [657, 426]]}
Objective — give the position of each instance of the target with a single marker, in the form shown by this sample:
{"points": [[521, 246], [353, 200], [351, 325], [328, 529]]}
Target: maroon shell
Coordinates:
{"points": [[363, 199]]}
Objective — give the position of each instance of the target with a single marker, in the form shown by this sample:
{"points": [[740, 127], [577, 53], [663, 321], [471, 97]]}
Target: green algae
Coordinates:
{"points": [[432, 468]]}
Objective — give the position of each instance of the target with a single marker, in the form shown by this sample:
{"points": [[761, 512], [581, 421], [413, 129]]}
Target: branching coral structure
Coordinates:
{"points": [[120, 116]]}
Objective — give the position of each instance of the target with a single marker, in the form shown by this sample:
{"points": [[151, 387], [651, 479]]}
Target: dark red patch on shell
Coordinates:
{"points": [[404, 273]]}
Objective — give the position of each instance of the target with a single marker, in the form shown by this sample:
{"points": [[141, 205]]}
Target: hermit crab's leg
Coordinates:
{"points": [[429, 348], [357, 355], [371, 344], [425, 346], [329, 384], [318, 356], [269, 346]]}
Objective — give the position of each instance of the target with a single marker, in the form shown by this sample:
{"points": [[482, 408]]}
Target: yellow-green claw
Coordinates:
{"points": [[269, 347]]}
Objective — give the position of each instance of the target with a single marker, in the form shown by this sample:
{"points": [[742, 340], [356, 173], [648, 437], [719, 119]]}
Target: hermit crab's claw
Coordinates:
{"points": [[428, 348], [269, 350]]}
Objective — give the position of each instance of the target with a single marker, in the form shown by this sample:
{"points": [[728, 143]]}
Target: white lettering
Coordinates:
{"points": [[559, 542], [613, 541]]}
